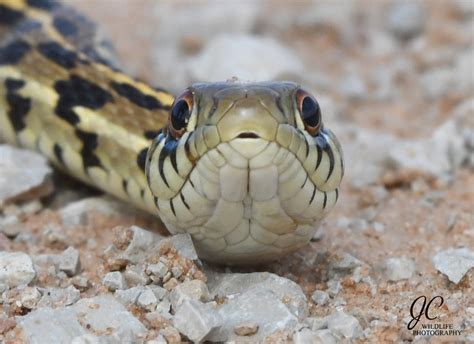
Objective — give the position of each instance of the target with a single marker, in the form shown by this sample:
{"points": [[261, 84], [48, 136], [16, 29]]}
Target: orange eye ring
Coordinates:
{"points": [[310, 112], [179, 114]]}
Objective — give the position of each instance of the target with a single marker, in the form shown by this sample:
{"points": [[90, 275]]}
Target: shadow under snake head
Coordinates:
{"points": [[247, 169]]}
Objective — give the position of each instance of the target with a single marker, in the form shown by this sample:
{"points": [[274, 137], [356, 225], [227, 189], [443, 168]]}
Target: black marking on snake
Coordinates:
{"points": [[172, 207], [170, 145], [89, 144], [142, 193], [330, 153], [152, 134], [136, 96], [19, 105], [13, 52], [10, 16], [43, 4], [279, 105], [322, 145], [325, 200], [307, 146], [305, 180], [213, 108], [59, 55], [314, 193], [124, 185], [141, 158], [337, 194], [320, 156], [28, 25], [342, 167], [173, 159], [78, 92], [184, 200], [58, 153], [65, 27]]}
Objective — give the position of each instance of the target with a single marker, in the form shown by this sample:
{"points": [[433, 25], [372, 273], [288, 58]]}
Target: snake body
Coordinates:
{"points": [[247, 169]]}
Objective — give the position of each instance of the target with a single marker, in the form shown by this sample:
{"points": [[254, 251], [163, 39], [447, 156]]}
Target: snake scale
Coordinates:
{"points": [[246, 168]]}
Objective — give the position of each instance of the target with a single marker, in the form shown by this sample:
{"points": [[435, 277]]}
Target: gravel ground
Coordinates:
{"points": [[395, 82]]}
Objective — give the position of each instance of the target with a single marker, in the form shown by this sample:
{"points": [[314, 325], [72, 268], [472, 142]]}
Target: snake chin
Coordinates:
{"points": [[248, 200]]}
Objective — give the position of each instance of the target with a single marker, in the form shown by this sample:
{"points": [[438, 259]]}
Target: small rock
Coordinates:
{"points": [[177, 271], [318, 235], [196, 320], [159, 292], [183, 245], [360, 225], [320, 297], [334, 287], [306, 335], [399, 268], [171, 284], [77, 213], [274, 303], [345, 325], [171, 334], [144, 244], [140, 245], [325, 337], [343, 264], [16, 268], [164, 308], [158, 340], [158, 270], [69, 261], [147, 300], [317, 323], [454, 263], [114, 281], [80, 282], [10, 226], [246, 329], [54, 297], [241, 283], [129, 296], [156, 320], [6, 324], [378, 227], [101, 314], [29, 297], [444, 151], [135, 275], [30, 172], [31, 207], [229, 56], [406, 19], [189, 290]]}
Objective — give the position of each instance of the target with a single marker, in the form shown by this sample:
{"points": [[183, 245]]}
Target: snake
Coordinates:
{"points": [[246, 168]]}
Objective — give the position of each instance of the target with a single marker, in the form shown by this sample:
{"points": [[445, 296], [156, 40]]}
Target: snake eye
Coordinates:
{"points": [[310, 112], [180, 112]]}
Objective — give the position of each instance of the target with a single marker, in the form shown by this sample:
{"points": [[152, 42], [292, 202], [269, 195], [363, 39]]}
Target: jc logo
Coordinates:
{"points": [[424, 309]]}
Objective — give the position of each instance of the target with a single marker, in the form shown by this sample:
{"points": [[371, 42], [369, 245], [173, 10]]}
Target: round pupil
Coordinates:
{"points": [[179, 115], [310, 112]]}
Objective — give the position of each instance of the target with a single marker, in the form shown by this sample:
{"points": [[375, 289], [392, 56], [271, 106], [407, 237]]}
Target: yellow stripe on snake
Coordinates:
{"points": [[247, 169]]}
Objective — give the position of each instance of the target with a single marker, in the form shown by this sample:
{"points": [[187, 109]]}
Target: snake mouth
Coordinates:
{"points": [[248, 135]]}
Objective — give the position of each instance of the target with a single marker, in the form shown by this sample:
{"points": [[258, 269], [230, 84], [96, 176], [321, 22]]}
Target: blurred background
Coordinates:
{"points": [[385, 73]]}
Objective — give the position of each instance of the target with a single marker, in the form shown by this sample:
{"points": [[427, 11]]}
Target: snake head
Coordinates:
{"points": [[248, 169]]}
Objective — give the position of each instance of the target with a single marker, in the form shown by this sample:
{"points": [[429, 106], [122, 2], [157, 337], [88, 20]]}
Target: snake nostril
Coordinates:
{"points": [[248, 135]]}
